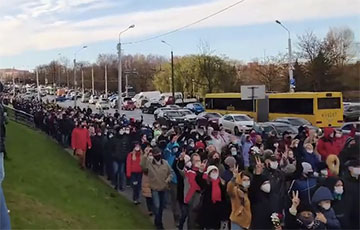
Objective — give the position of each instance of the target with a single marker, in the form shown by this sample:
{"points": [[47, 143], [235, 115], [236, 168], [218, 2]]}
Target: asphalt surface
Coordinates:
{"points": [[148, 118]]}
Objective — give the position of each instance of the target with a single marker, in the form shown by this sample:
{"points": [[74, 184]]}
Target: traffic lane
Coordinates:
{"points": [[148, 118]]}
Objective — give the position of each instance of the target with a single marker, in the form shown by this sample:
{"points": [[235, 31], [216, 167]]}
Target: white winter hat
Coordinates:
{"points": [[210, 168], [307, 167]]}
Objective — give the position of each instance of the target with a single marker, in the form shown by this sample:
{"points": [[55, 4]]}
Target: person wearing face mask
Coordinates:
{"points": [[120, 150], [237, 189], [260, 199], [302, 216], [350, 152], [171, 153], [309, 156], [160, 175], [189, 170], [80, 142], [285, 142], [326, 144], [214, 159], [340, 138], [97, 151], [322, 202], [134, 171], [270, 141], [246, 145], [212, 210], [352, 187], [145, 185], [340, 202]]}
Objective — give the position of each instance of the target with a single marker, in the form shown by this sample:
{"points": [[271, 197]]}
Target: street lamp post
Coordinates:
{"points": [[291, 75], [75, 82], [120, 68], [172, 68], [59, 73]]}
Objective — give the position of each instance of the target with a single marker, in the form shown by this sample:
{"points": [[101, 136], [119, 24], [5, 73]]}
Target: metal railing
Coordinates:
{"points": [[20, 116]]}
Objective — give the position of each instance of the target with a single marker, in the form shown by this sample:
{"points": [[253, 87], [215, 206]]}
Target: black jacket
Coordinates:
{"points": [[120, 147], [2, 129], [352, 190]]}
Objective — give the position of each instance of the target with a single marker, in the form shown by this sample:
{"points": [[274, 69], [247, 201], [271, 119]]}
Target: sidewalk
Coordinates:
{"points": [[168, 219]]}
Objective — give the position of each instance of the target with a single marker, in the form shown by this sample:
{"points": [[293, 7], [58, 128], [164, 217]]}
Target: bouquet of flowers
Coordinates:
{"points": [[276, 220]]}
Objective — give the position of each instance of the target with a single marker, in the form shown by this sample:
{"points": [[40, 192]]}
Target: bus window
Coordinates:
{"points": [[225, 103], [329, 103], [291, 105]]}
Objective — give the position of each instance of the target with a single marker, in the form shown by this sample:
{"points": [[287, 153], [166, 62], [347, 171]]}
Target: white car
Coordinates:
{"points": [[189, 116], [236, 123], [93, 99], [102, 105]]}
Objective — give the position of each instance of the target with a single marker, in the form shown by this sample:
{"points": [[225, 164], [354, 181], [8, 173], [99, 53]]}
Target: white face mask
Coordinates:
{"points": [[121, 132], [309, 151], [214, 175], [111, 135], [127, 131], [137, 148], [233, 152], [276, 145], [266, 187], [338, 135], [356, 171], [339, 190], [274, 164], [326, 206], [188, 164], [192, 145], [234, 142], [246, 184], [175, 150], [324, 172]]}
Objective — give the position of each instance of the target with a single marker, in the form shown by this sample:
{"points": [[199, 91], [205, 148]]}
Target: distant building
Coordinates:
{"points": [[8, 74]]}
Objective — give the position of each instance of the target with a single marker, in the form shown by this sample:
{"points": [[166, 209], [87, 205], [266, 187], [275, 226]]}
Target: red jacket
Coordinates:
{"points": [[339, 142], [133, 166], [80, 139], [326, 144]]}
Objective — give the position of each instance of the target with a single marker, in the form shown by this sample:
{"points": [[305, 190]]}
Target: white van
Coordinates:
{"points": [[148, 96]]}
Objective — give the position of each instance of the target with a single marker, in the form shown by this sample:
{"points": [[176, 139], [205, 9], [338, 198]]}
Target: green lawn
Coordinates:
{"points": [[44, 188]]}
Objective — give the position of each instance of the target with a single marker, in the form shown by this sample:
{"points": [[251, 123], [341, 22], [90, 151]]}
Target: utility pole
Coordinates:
{"points": [[172, 75], [106, 83], [92, 81], [82, 81], [13, 80], [67, 78], [126, 85], [37, 84], [59, 76]]}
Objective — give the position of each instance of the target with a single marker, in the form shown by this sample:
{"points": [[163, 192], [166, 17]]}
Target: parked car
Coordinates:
{"points": [[296, 122], [85, 98], [352, 112], [93, 99], [61, 99], [174, 107], [195, 107], [170, 118], [278, 127], [236, 123], [128, 105], [102, 105], [190, 117], [346, 128], [159, 112], [150, 107], [206, 118]]}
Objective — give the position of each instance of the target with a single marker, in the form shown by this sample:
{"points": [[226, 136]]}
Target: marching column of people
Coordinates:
{"points": [[210, 179]]}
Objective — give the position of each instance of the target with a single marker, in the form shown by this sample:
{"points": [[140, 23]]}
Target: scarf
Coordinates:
{"points": [[215, 190]]}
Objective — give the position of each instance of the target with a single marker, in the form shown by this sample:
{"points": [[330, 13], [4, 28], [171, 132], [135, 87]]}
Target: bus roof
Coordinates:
{"points": [[279, 95]]}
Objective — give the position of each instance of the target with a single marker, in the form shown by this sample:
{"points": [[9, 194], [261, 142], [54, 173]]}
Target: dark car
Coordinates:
{"points": [[296, 122], [206, 118], [171, 118], [61, 99], [352, 112], [195, 107], [277, 127], [150, 107]]}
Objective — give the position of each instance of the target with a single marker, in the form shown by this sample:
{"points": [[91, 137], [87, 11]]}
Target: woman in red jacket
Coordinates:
{"points": [[80, 142], [134, 171]]}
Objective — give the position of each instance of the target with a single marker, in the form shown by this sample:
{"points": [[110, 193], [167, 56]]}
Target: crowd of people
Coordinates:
{"points": [[211, 179]]}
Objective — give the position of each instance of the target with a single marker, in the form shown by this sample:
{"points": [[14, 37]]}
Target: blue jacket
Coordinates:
{"points": [[323, 193], [245, 152], [311, 158], [170, 157]]}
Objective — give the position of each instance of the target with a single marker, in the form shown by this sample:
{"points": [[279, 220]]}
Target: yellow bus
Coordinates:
{"points": [[322, 109]]}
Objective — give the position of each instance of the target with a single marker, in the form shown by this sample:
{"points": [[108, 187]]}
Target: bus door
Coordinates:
{"points": [[262, 109]]}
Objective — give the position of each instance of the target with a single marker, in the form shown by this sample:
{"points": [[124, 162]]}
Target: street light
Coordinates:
{"points": [[120, 68], [291, 76], [75, 82], [59, 73], [172, 68]]}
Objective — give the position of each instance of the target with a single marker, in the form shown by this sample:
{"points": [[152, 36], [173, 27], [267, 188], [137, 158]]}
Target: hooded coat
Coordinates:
{"points": [[321, 194], [326, 145], [352, 188]]}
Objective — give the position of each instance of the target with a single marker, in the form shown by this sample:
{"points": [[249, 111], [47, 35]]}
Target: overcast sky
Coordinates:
{"points": [[34, 32]]}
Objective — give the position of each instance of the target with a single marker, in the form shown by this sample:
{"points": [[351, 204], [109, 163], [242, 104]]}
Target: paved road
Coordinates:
{"points": [[148, 118]]}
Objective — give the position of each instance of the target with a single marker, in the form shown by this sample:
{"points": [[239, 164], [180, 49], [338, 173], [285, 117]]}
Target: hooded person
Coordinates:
{"points": [[340, 200], [350, 152], [321, 201], [134, 171], [326, 144], [212, 209], [352, 187], [309, 156], [214, 159], [237, 189], [302, 216], [80, 142], [340, 139]]}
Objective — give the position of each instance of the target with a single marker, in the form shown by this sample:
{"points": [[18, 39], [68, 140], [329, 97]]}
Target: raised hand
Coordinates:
{"points": [[295, 199], [320, 217], [235, 170], [259, 167]]}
